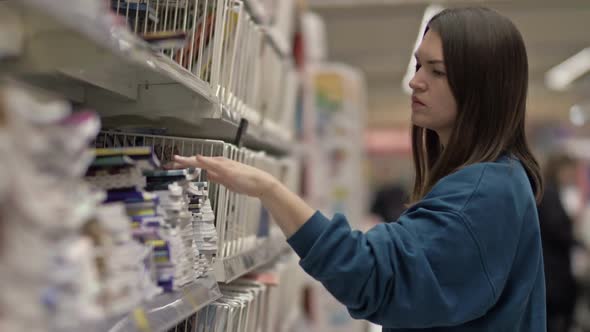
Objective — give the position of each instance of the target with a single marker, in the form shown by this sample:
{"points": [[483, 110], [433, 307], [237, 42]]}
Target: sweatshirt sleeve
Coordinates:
{"points": [[424, 270]]}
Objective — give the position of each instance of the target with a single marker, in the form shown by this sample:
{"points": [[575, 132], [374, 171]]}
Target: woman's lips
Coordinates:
{"points": [[417, 103]]}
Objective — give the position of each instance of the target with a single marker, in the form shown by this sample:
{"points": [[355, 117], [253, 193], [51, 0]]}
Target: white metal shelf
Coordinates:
{"points": [[230, 268], [263, 137], [280, 44], [117, 74], [84, 48], [164, 311]]}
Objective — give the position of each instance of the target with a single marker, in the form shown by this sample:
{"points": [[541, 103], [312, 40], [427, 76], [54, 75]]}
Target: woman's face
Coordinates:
{"points": [[433, 104]]}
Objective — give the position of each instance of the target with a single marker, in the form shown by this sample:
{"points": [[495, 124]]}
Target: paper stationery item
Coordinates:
{"points": [[143, 156], [112, 161], [166, 39]]}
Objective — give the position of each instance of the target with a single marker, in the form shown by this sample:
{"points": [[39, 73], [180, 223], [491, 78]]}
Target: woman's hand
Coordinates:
{"points": [[289, 211], [235, 176]]}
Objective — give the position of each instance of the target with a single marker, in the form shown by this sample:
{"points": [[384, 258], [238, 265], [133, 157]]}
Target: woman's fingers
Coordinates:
{"points": [[219, 165], [213, 176], [218, 168], [174, 165], [218, 180], [210, 162], [213, 165], [200, 161], [186, 161]]}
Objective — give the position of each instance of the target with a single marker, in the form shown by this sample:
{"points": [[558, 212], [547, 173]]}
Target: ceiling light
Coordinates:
{"points": [[561, 76]]}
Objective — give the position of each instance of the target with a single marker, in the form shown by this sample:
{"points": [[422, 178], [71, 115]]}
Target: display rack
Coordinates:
{"points": [[229, 269], [92, 60], [223, 128], [83, 57], [169, 309], [107, 58], [164, 311]]}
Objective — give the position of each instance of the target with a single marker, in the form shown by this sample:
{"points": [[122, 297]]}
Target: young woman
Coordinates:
{"points": [[466, 256]]}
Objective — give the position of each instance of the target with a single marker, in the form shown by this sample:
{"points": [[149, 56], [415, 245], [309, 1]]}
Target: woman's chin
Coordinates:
{"points": [[419, 121]]}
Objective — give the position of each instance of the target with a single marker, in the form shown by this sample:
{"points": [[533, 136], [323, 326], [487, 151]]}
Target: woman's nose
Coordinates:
{"points": [[416, 84]]}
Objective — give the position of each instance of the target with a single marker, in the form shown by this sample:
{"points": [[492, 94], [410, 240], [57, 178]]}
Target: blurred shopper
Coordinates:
{"points": [[390, 202], [558, 240]]}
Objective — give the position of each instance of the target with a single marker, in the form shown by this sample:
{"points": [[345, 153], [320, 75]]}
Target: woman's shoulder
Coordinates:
{"points": [[484, 185]]}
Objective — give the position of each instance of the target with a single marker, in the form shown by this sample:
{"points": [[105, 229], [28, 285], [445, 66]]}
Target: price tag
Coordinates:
{"points": [[190, 299], [141, 320]]}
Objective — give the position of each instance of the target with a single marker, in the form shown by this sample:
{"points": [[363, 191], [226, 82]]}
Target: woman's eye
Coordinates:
{"points": [[418, 66], [438, 73]]}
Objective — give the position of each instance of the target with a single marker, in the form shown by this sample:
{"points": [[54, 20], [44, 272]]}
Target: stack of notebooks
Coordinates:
{"points": [[150, 228], [169, 209], [120, 169], [243, 308], [173, 209], [203, 219], [158, 208], [182, 198], [125, 265]]}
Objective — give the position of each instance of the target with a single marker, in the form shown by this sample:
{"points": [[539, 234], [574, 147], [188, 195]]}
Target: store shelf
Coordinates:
{"points": [[280, 44], [82, 52], [230, 268], [257, 137], [168, 309], [164, 311], [258, 11], [100, 59], [112, 71]]}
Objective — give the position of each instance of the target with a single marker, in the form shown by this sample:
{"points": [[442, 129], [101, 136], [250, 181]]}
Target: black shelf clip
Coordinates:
{"points": [[239, 139]]}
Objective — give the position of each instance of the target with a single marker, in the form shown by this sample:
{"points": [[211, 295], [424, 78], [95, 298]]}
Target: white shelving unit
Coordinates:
{"points": [[164, 311], [167, 309], [86, 50], [108, 68], [74, 49], [229, 269]]}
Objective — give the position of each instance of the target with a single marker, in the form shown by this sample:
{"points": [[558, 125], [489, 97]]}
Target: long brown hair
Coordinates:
{"points": [[487, 70]]}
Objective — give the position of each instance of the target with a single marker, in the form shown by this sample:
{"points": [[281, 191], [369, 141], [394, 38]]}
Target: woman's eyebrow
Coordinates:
{"points": [[432, 62]]}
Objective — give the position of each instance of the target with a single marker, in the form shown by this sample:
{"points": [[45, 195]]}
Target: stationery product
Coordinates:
{"points": [[163, 206], [260, 302], [120, 171], [89, 235], [144, 156], [166, 39], [66, 259], [178, 206], [121, 168], [242, 308], [241, 223], [119, 178]]}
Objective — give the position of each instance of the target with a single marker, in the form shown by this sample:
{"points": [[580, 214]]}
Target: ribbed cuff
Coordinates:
{"points": [[305, 237]]}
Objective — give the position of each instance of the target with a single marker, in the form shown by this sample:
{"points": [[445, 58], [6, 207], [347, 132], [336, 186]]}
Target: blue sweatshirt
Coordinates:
{"points": [[466, 258]]}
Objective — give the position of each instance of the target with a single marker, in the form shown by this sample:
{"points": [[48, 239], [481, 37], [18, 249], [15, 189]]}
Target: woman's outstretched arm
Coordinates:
{"points": [[288, 210]]}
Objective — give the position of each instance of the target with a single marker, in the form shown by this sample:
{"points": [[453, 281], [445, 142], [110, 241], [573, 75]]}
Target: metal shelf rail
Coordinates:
{"points": [[165, 310], [229, 269]]}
